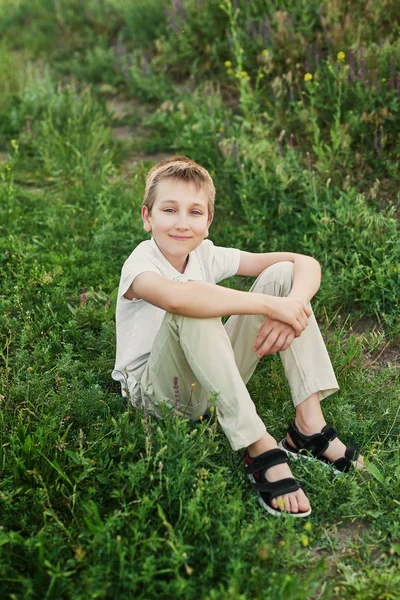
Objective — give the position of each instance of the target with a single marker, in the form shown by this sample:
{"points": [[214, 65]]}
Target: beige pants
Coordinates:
{"points": [[220, 360]]}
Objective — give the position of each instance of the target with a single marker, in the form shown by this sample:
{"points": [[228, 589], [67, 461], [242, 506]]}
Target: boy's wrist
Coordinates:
{"points": [[303, 297]]}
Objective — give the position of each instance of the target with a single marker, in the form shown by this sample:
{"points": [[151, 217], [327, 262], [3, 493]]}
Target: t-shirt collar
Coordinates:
{"points": [[193, 271]]}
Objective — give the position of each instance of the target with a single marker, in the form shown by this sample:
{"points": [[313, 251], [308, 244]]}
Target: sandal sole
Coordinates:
{"points": [[298, 456], [279, 513]]}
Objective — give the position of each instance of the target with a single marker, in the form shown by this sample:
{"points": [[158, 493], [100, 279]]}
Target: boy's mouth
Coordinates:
{"points": [[180, 238]]}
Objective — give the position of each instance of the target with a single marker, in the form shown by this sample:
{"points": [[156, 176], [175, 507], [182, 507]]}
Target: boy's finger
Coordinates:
{"points": [[297, 328], [267, 345]]}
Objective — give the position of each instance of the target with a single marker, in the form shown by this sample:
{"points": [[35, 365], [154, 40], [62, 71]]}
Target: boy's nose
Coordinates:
{"points": [[182, 223]]}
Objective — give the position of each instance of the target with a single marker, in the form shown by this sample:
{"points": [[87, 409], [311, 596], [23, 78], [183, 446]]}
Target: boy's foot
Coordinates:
{"points": [[322, 442], [271, 477]]}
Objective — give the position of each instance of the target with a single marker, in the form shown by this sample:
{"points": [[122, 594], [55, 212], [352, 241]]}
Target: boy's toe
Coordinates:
{"points": [[302, 501], [294, 507], [287, 503]]}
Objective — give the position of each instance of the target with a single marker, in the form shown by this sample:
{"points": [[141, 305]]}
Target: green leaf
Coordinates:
{"points": [[374, 471]]}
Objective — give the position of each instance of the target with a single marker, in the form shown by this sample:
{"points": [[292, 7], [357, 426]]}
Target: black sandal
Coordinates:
{"points": [[255, 469], [313, 446]]}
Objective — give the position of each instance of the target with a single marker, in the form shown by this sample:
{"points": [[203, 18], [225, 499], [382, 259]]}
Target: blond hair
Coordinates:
{"points": [[183, 169]]}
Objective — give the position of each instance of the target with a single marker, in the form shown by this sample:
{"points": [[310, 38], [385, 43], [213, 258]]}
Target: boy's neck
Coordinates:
{"points": [[179, 264], [180, 267]]}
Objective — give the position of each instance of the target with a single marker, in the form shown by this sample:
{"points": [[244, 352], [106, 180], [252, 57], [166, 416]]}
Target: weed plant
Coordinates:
{"points": [[294, 109]]}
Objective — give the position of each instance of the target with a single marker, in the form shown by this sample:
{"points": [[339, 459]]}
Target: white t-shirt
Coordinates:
{"points": [[138, 321]]}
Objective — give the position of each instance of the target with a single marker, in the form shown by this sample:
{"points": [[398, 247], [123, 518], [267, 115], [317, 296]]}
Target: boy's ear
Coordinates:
{"points": [[146, 218], [209, 221]]}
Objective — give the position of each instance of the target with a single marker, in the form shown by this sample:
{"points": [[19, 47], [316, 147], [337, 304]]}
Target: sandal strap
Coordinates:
{"points": [[315, 444], [277, 488], [265, 461], [345, 463]]}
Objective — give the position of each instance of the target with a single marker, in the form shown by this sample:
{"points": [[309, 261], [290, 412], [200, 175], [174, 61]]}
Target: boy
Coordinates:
{"points": [[173, 349]]}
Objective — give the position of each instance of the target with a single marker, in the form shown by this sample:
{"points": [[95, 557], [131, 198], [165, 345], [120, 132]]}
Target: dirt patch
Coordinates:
{"points": [[383, 354], [365, 325], [124, 133], [389, 355], [346, 534], [121, 108]]}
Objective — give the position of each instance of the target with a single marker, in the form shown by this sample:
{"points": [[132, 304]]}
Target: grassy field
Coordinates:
{"points": [[294, 107]]}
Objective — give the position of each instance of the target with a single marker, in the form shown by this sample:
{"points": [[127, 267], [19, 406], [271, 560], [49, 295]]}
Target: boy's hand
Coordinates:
{"points": [[273, 336], [292, 311]]}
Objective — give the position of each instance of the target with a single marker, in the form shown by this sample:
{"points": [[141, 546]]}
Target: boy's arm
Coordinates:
{"points": [[274, 335], [205, 300], [306, 273]]}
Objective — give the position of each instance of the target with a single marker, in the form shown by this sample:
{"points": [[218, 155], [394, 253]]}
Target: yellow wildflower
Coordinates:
{"points": [[308, 526], [227, 64], [230, 71], [244, 73], [304, 540], [308, 77], [341, 56], [260, 75]]}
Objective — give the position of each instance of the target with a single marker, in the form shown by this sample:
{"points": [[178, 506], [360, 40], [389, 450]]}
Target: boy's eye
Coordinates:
{"points": [[170, 210], [196, 212]]}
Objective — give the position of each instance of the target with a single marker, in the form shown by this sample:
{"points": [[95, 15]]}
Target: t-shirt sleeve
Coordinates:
{"points": [[131, 270], [225, 262]]}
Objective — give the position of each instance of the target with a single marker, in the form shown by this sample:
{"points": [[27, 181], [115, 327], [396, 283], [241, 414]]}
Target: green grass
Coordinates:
{"points": [[96, 502]]}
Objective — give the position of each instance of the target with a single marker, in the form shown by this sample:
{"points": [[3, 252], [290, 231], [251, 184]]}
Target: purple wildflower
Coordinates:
{"points": [[178, 6], [362, 63], [328, 36], [392, 68], [352, 66], [172, 21], [268, 28], [291, 140], [317, 53]]}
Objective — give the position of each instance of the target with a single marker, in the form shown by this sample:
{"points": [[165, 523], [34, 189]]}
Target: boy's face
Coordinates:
{"points": [[179, 219]]}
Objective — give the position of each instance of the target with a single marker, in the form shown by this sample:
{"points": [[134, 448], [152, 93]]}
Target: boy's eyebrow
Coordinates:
{"points": [[176, 202]]}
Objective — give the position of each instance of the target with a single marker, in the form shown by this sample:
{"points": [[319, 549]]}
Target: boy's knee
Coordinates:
{"points": [[280, 274], [193, 322]]}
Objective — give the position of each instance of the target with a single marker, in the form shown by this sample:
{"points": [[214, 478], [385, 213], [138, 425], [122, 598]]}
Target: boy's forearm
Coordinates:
{"points": [[206, 300], [306, 278]]}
